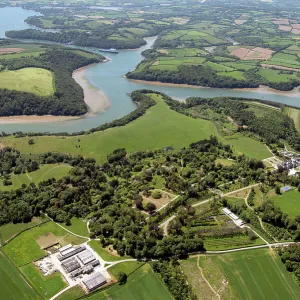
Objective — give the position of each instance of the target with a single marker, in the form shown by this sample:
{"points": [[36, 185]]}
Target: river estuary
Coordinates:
{"points": [[109, 78]]}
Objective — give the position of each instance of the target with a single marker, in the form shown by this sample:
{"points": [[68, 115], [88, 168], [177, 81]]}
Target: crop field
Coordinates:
{"points": [[12, 284], [277, 75], [143, 284], [21, 50], [289, 202], [286, 60], [25, 248], [31, 80], [258, 274], [47, 286], [44, 173], [147, 132]]}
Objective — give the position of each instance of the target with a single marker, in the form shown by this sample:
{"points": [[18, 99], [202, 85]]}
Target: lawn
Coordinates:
{"points": [[289, 202], [72, 293], [78, 226], [146, 133], [103, 253], [47, 286], [143, 284], [12, 284], [24, 248], [45, 172], [258, 274], [7, 231], [294, 113], [31, 80]]}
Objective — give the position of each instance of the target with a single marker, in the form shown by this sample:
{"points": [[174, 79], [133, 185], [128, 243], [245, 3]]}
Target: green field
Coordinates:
{"points": [[72, 293], [143, 284], [31, 80], [294, 113], [103, 253], [289, 202], [7, 231], [47, 286], [145, 133], [45, 172], [78, 226], [276, 75], [24, 248], [12, 284], [224, 162], [258, 274]]}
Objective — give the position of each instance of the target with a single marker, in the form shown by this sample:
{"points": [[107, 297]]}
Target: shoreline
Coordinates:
{"points": [[95, 99], [261, 89]]}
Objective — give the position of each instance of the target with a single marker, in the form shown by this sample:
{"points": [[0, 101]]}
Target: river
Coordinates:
{"points": [[109, 78]]}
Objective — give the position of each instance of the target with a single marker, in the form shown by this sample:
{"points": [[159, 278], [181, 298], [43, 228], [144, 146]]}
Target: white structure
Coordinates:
{"points": [[233, 217]]}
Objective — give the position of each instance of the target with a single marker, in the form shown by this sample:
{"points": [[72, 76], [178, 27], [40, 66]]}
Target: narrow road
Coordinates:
{"points": [[240, 190], [61, 292]]}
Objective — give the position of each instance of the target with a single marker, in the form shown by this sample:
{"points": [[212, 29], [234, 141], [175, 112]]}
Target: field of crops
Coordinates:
{"points": [[12, 284]]}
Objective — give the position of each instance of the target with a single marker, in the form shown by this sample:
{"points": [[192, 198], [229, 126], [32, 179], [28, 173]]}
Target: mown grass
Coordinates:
{"points": [[294, 113], [143, 284], [31, 80], [45, 172], [289, 202], [12, 284], [71, 294], [258, 274], [159, 127], [78, 226], [277, 76], [47, 286]]}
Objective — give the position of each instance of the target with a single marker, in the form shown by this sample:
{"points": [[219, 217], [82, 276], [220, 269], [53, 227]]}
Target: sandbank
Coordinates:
{"points": [[35, 119], [95, 99]]}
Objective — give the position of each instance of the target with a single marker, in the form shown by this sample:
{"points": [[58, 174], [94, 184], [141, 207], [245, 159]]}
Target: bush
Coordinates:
{"points": [[156, 194], [122, 277]]}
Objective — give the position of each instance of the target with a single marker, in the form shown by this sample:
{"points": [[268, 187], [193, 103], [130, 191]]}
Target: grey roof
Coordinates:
{"points": [[94, 281]]}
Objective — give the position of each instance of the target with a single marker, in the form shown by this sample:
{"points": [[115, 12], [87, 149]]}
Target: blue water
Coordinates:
{"points": [[109, 77]]}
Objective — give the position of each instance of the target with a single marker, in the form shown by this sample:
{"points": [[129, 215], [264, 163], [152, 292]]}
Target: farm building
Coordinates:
{"points": [[94, 281], [87, 269], [233, 217], [86, 257], [66, 253], [71, 265]]}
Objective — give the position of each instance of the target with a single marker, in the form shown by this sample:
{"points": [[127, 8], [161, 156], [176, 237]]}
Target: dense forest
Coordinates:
{"points": [[79, 38], [68, 97], [290, 256]]}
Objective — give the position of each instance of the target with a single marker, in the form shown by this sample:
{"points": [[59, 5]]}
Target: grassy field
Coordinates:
{"points": [[258, 274], [31, 80], [294, 113], [47, 286], [24, 248], [12, 284], [45, 172], [103, 253], [289, 202], [147, 132], [7, 231], [276, 75], [143, 284], [72, 293], [78, 226]]}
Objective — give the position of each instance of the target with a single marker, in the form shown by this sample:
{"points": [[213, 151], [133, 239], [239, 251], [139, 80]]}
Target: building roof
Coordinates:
{"points": [[71, 264], [94, 281], [64, 248], [86, 257]]}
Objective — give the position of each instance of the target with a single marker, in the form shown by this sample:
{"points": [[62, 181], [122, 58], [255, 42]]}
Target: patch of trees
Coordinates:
{"points": [[68, 97], [97, 39], [290, 256], [174, 278]]}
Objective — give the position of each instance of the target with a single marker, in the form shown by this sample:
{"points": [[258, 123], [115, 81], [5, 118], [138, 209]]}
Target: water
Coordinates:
{"points": [[109, 77], [12, 18]]}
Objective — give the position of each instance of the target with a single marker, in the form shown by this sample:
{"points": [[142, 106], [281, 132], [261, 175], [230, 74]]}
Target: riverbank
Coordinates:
{"points": [[95, 99], [35, 119], [261, 89]]}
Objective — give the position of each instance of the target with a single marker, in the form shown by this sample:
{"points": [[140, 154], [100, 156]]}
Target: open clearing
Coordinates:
{"points": [[257, 274], [12, 284], [45, 172], [72, 293], [147, 132], [143, 284], [78, 226], [289, 202], [295, 115], [31, 80], [47, 286], [159, 203]]}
